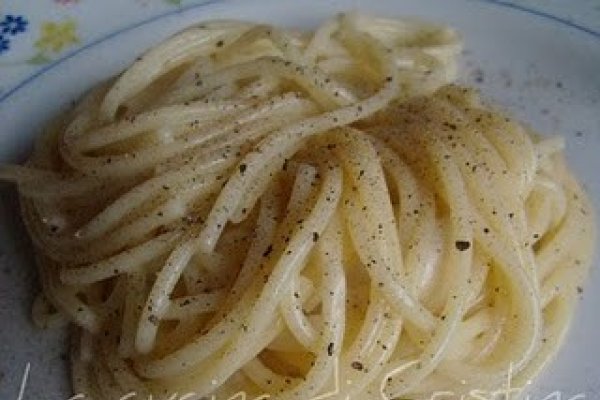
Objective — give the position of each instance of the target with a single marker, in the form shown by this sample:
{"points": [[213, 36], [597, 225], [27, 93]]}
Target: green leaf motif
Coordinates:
{"points": [[173, 2], [39, 59]]}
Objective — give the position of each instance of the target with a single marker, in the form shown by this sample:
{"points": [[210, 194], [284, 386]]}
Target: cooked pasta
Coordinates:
{"points": [[302, 215]]}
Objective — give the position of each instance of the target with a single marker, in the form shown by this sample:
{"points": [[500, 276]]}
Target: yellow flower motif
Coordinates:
{"points": [[55, 36]]}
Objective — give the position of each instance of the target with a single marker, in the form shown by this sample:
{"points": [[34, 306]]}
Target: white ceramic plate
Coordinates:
{"points": [[540, 65]]}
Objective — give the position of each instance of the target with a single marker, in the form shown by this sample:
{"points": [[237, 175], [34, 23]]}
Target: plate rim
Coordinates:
{"points": [[542, 15]]}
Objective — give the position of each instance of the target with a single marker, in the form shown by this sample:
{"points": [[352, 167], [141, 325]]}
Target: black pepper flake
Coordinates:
{"points": [[330, 349], [220, 43], [268, 251], [478, 75], [315, 236], [462, 245], [242, 168], [153, 319], [357, 365], [579, 289]]}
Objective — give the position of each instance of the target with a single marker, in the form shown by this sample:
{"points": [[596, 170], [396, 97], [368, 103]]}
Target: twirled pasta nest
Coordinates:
{"points": [[258, 210]]}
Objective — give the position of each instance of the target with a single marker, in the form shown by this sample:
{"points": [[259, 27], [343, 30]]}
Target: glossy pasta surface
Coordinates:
{"points": [[302, 214]]}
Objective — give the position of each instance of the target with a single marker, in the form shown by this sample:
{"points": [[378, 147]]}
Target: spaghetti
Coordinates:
{"points": [[292, 214]]}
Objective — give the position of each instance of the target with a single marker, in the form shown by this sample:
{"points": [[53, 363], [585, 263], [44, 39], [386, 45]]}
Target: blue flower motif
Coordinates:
{"points": [[4, 44], [13, 24]]}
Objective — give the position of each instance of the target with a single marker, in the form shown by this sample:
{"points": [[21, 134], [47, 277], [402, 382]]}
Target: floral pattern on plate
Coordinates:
{"points": [[10, 26]]}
